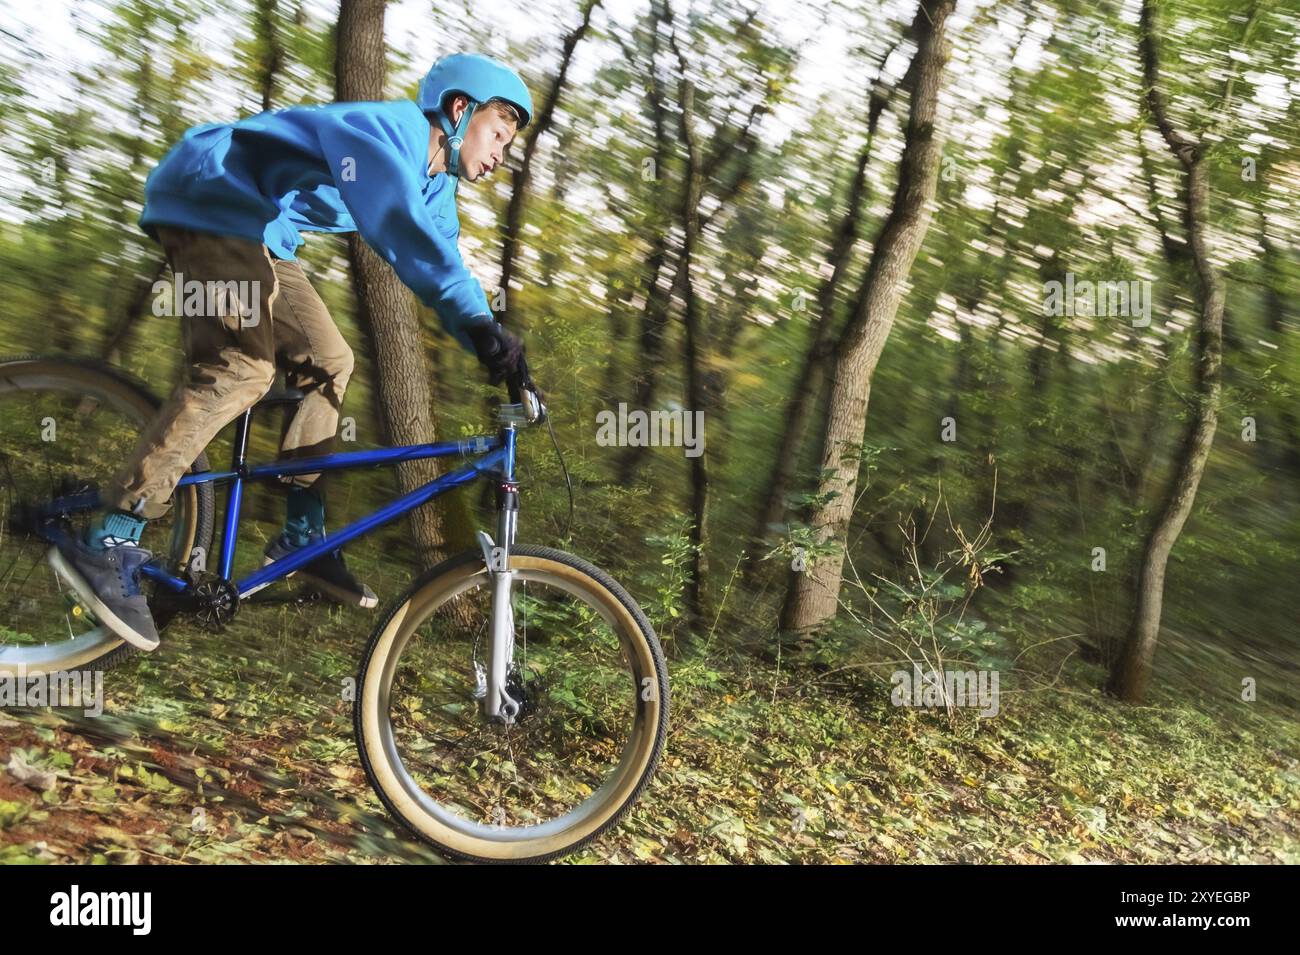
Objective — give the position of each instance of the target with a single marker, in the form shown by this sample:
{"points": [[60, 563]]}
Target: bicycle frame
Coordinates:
{"points": [[217, 596], [497, 460]]}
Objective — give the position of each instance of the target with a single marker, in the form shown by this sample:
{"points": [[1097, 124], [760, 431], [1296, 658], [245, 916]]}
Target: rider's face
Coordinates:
{"points": [[485, 142]]}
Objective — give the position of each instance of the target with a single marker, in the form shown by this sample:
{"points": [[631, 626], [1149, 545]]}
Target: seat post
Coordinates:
{"points": [[240, 450]]}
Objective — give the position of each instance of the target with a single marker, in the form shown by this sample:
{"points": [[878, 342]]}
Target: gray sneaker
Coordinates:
{"points": [[109, 582]]}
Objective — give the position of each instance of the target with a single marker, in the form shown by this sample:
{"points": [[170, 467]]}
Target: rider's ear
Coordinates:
{"points": [[458, 105]]}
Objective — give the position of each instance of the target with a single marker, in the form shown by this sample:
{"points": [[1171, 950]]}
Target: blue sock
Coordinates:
{"points": [[113, 529], [304, 515]]}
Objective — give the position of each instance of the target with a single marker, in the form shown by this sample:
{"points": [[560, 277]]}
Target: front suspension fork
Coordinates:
{"points": [[497, 703]]}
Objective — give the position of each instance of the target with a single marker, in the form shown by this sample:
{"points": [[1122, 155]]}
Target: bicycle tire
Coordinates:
{"points": [[444, 579], [130, 395]]}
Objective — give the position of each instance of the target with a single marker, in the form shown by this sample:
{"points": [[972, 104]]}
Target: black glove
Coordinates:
{"points": [[500, 352]]}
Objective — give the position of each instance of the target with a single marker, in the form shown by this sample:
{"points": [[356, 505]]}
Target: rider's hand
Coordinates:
{"points": [[500, 352]]}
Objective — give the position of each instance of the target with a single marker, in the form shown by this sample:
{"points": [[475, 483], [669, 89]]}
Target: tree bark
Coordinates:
{"points": [[812, 596], [386, 310], [812, 375], [695, 400], [270, 50], [1132, 672], [658, 287]]}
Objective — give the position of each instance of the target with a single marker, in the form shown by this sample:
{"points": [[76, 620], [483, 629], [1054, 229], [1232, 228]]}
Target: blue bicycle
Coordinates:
{"points": [[510, 706]]}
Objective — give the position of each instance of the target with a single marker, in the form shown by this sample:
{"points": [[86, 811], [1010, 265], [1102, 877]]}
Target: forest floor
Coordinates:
{"points": [[247, 731]]}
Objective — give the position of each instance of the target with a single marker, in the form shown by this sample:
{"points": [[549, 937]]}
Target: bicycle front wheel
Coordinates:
{"points": [[594, 687]]}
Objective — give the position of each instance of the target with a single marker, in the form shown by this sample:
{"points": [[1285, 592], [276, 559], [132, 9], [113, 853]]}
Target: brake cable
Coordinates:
{"points": [[559, 456], [563, 470]]}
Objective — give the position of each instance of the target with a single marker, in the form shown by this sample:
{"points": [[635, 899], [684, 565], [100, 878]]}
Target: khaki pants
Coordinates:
{"points": [[232, 362]]}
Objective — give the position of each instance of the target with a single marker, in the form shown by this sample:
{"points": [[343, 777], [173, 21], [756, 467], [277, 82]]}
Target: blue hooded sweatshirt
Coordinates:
{"points": [[342, 167]]}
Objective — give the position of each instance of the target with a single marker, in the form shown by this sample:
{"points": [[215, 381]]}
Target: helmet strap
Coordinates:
{"points": [[455, 137]]}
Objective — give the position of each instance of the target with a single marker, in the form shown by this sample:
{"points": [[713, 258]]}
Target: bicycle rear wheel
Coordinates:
{"points": [[68, 423], [594, 688]]}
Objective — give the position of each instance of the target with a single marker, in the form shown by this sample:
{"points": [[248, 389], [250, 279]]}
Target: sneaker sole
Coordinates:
{"points": [[338, 593], [100, 609]]}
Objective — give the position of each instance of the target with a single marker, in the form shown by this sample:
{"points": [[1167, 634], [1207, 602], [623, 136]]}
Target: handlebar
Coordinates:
{"points": [[523, 393]]}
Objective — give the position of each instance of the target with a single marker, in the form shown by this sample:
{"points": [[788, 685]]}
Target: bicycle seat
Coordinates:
{"points": [[281, 396]]}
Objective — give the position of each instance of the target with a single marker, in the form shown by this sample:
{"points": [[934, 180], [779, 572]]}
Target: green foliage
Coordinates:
{"points": [[668, 583]]}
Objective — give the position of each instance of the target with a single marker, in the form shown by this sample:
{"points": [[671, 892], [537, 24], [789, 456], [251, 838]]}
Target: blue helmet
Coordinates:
{"points": [[481, 79]]}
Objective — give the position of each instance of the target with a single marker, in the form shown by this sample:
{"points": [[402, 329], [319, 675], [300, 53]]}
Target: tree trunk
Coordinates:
{"points": [[695, 400], [521, 175], [1132, 672], [386, 310], [812, 375], [1283, 448], [270, 50], [658, 288], [735, 321], [812, 597]]}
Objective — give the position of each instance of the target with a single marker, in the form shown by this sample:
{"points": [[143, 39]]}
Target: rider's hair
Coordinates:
{"points": [[504, 110], [498, 106]]}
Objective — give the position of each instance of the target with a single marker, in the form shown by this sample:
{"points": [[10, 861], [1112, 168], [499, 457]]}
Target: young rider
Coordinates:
{"points": [[228, 204]]}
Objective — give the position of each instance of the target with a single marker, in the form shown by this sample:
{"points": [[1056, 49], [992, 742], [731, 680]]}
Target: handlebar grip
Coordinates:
{"points": [[520, 379], [525, 394]]}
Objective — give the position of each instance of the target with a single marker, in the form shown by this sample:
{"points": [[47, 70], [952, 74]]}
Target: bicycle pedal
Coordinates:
{"points": [[71, 497], [77, 609], [305, 595]]}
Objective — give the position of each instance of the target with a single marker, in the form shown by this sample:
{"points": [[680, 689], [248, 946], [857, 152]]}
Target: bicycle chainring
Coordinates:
{"points": [[215, 600]]}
